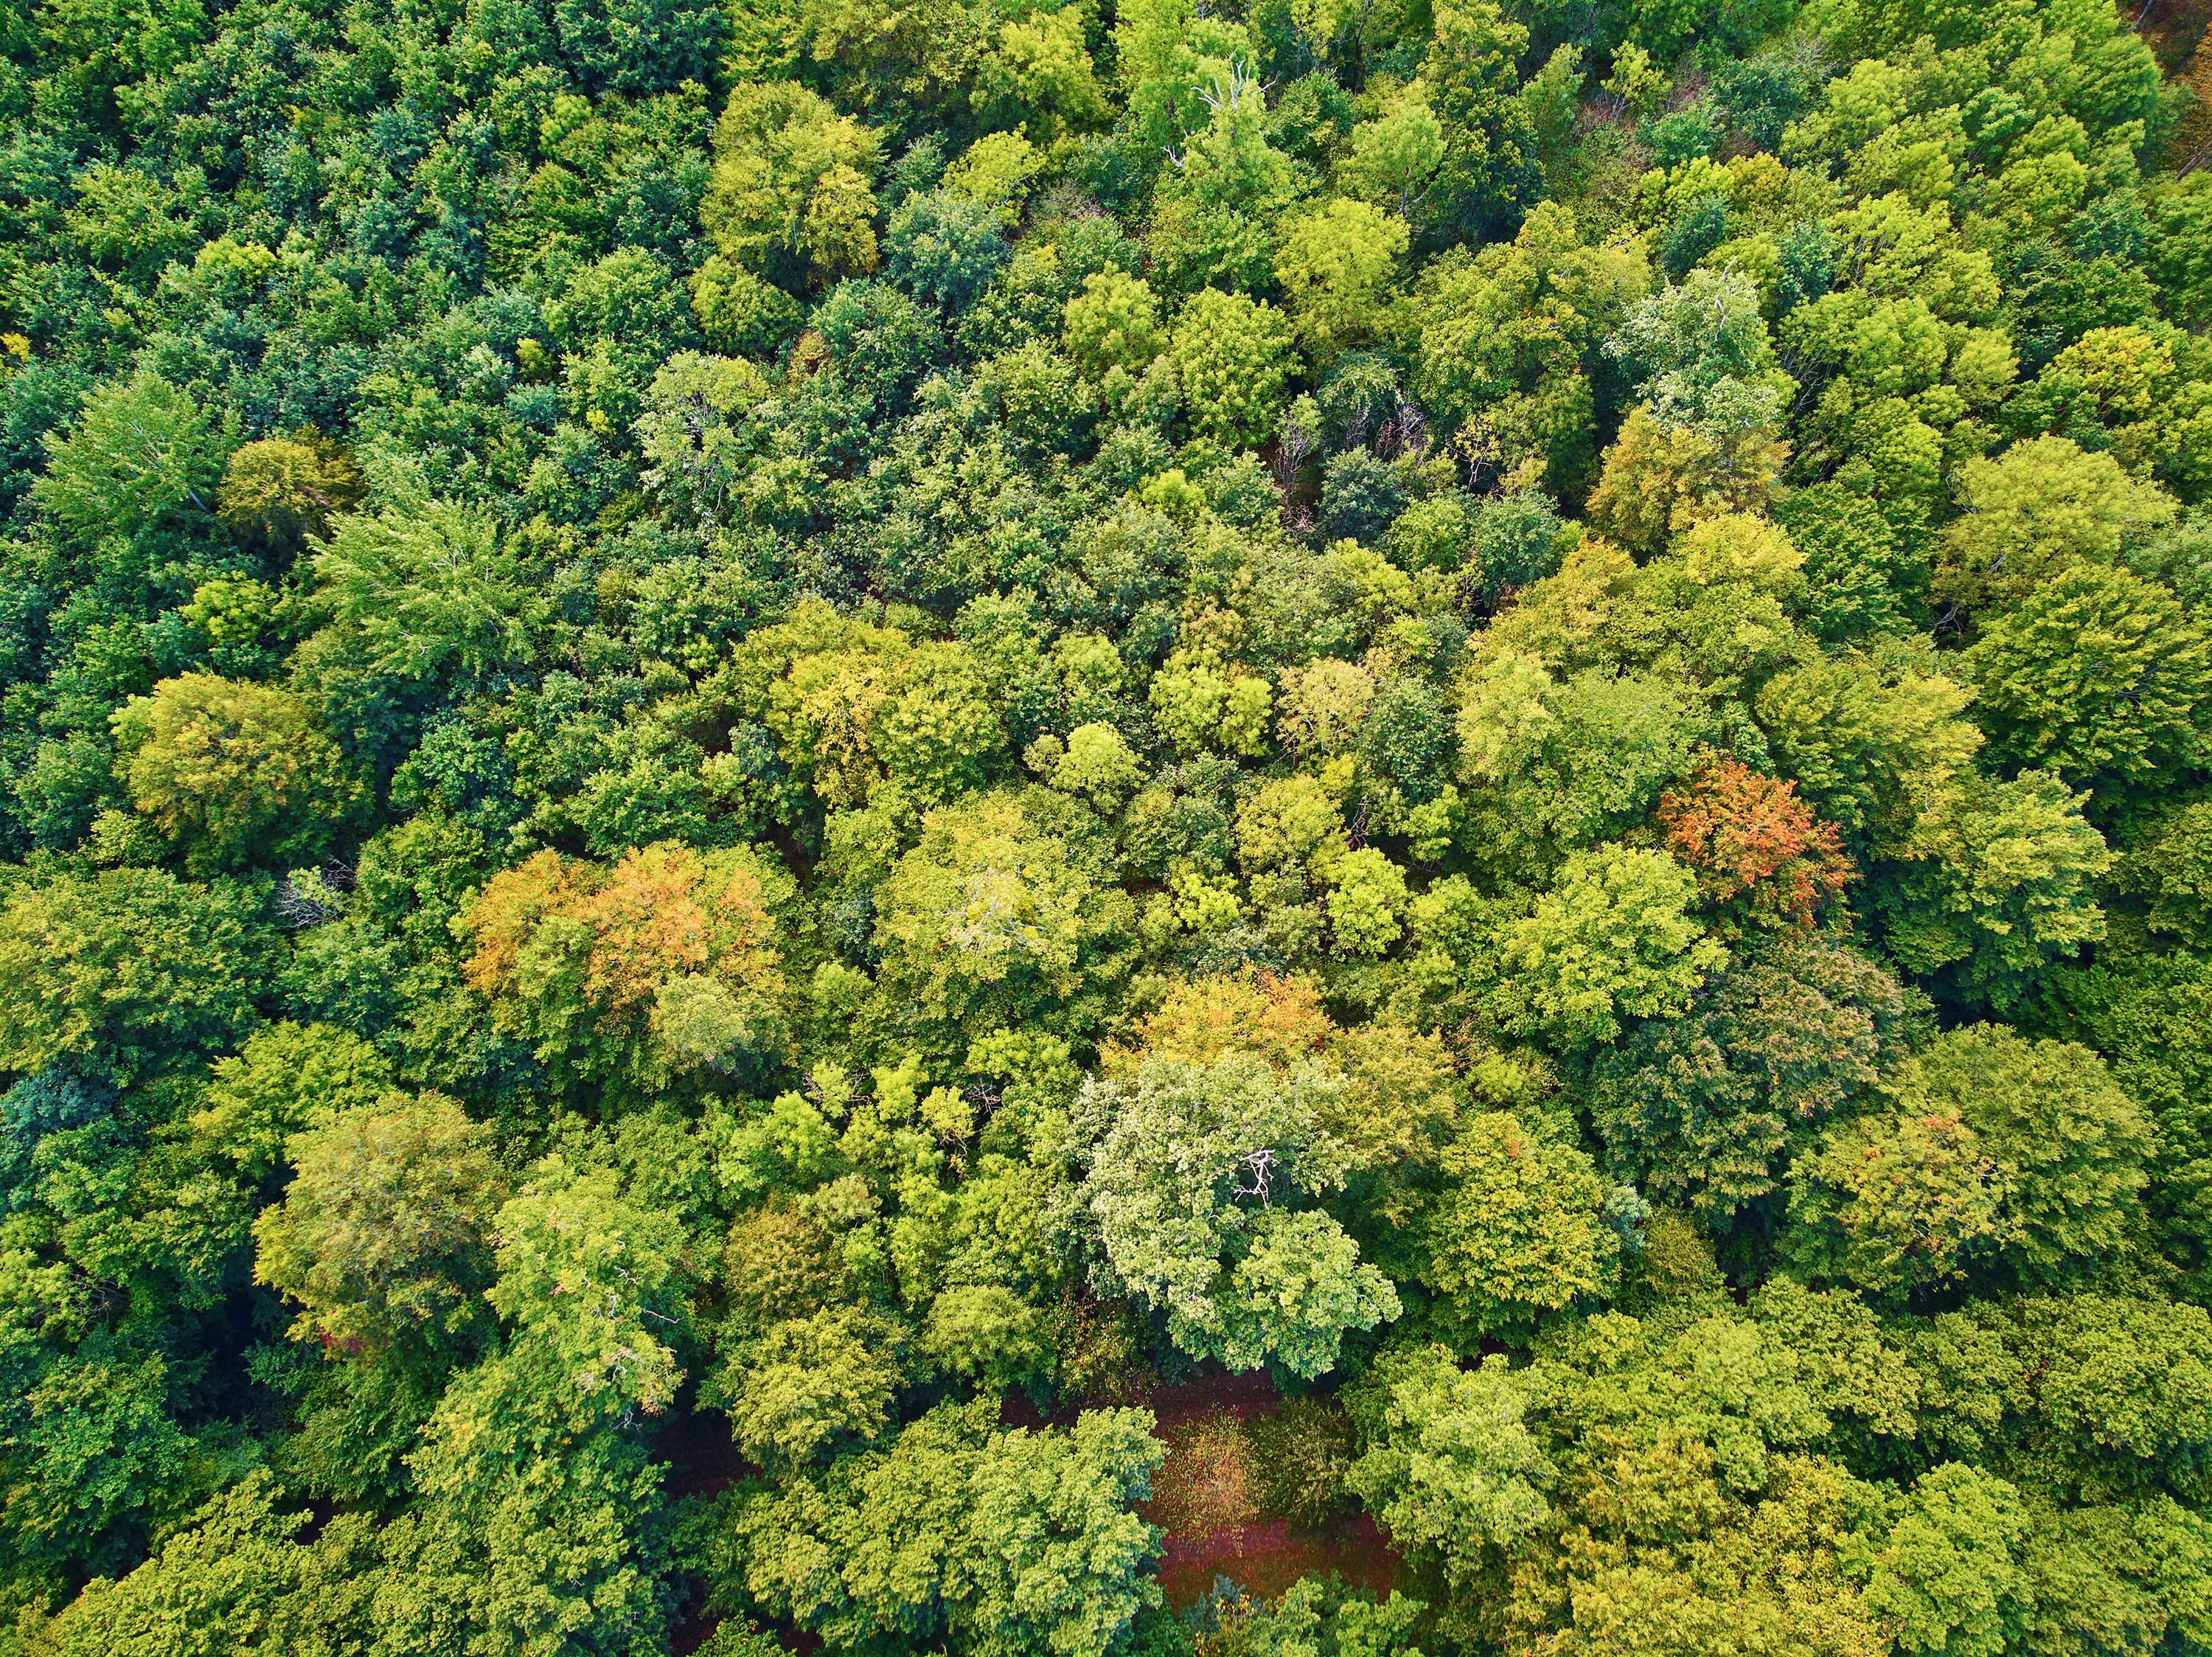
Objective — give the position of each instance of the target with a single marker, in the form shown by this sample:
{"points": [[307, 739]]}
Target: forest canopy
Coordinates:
{"points": [[762, 763]]}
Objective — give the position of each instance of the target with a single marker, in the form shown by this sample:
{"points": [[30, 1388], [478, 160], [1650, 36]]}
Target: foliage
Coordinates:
{"points": [[740, 740]]}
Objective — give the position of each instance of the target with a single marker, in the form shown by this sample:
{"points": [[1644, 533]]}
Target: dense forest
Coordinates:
{"points": [[765, 767]]}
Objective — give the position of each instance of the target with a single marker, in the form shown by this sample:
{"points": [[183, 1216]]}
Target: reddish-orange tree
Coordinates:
{"points": [[1744, 833]]}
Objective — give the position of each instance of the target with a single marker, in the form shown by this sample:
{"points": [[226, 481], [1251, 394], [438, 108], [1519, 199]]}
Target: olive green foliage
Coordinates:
{"points": [[760, 761]]}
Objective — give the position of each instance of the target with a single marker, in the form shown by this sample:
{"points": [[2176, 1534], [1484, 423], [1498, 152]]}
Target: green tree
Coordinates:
{"points": [[1610, 942], [1114, 323], [2036, 511], [279, 490], [2002, 882], [1951, 1576], [1469, 76], [384, 1236], [791, 177], [1231, 354], [1521, 1227], [1195, 1188], [234, 772], [2071, 1141], [808, 1384], [141, 451], [1706, 1109], [1001, 1542], [1453, 1462], [2096, 675], [1335, 266], [128, 972], [237, 1578]]}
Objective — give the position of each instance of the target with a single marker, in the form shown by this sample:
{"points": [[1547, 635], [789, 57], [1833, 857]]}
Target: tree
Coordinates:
{"points": [[427, 601], [280, 491], [238, 1578], [384, 1236], [1706, 1109], [1003, 1542], [1231, 354], [1747, 834], [638, 45], [1950, 1576], [992, 920], [1897, 1203], [2071, 1141], [1661, 480], [2001, 884], [1995, 1149], [811, 1383], [1551, 768], [1365, 902], [944, 249], [128, 972], [141, 451], [1470, 79], [1454, 1465], [2036, 511], [232, 772], [2096, 675], [1610, 942], [667, 960], [791, 178], [536, 1525], [1333, 267], [1114, 323], [1521, 1228], [1195, 1190]]}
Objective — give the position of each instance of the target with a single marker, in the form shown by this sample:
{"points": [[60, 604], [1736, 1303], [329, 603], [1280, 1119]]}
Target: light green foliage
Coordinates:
{"points": [[1366, 902], [1610, 942], [1006, 1542], [1508, 340], [1554, 767], [990, 911], [1333, 267], [281, 490], [2094, 674], [994, 172], [1951, 1575], [2070, 1139], [1521, 1229], [1996, 1149], [385, 1233], [142, 450], [1313, 1614], [1873, 739], [2170, 869], [1231, 354], [1194, 1188], [1454, 1462], [2036, 511], [808, 1383], [428, 594], [1098, 765], [238, 1579], [1699, 353], [1393, 157], [791, 176], [231, 772], [583, 1276], [127, 971], [1114, 323]]}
